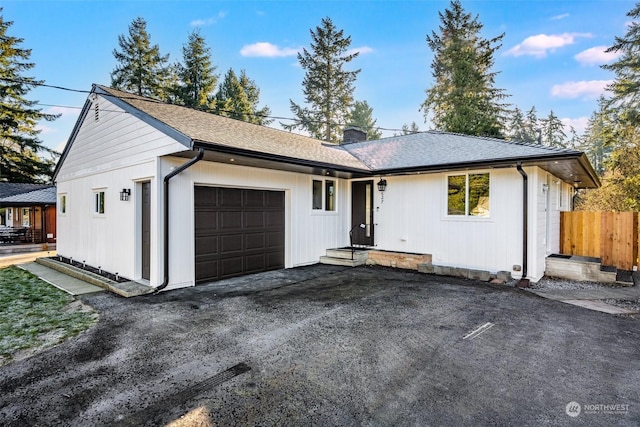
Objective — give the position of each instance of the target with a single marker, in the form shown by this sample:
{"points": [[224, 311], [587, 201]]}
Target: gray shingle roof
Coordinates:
{"points": [[432, 149], [218, 130], [12, 188], [43, 196], [424, 151]]}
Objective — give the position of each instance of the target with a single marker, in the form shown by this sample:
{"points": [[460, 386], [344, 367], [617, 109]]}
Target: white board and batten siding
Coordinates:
{"points": [[111, 151], [308, 233]]}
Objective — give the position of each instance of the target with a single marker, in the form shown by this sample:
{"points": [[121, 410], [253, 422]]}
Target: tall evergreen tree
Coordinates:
{"points": [[517, 129], [362, 117], [238, 98], [463, 97], [596, 139], [407, 129], [553, 134], [626, 86], [532, 126], [196, 75], [21, 151], [141, 69], [327, 86]]}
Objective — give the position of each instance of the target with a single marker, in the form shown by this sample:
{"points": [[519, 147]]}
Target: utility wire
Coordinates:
{"points": [[144, 99]]}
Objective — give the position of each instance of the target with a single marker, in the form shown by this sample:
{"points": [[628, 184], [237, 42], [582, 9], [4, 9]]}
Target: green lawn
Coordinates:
{"points": [[36, 315]]}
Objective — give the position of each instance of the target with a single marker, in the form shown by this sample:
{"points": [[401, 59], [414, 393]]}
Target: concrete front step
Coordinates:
{"points": [[345, 253], [579, 268], [342, 261]]}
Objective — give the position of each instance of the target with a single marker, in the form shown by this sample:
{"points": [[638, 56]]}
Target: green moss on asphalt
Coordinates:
{"points": [[35, 314]]}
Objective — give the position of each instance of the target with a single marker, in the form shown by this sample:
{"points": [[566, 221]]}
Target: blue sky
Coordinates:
{"points": [[550, 54]]}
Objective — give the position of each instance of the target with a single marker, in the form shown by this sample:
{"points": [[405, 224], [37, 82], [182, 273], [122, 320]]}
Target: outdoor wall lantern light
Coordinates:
{"points": [[545, 188], [382, 186], [124, 194]]}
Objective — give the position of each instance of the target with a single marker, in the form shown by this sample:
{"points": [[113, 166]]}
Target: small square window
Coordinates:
{"points": [[99, 202]]}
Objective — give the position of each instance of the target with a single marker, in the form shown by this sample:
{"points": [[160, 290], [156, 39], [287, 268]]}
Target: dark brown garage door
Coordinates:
{"points": [[237, 232]]}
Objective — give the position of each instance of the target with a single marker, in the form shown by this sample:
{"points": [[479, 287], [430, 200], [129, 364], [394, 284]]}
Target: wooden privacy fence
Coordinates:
{"points": [[610, 236]]}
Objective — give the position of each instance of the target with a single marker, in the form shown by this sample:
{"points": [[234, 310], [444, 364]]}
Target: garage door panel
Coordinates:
{"points": [[254, 241], [254, 263], [230, 243], [208, 222], [274, 199], [207, 245], [274, 219], [230, 220], [205, 198], [207, 268], [253, 198], [238, 231], [254, 219], [229, 197], [274, 239], [274, 261], [232, 266]]}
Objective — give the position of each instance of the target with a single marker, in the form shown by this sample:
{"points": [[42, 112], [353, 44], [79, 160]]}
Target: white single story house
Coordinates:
{"points": [[175, 196]]}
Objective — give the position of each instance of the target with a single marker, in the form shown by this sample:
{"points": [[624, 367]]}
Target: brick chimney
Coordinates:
{"points": [[353, 134]]}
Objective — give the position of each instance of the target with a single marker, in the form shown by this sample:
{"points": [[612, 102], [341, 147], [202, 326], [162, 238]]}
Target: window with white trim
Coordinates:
{"points": [[468, 195], [98, 202], [62, 204], [323, 194]]}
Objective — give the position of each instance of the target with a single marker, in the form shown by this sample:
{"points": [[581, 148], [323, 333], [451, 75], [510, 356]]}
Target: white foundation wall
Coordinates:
{"points": [[308, 233], [111, 240], [413, 218]]}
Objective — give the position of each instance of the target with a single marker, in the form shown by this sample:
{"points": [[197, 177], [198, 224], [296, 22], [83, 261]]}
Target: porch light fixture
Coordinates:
{"points": [[124, 194], [382, 186]]}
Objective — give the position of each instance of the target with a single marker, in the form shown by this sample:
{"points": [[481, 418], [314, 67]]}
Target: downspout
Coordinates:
{"points": [[524, 282], [165, 243]]}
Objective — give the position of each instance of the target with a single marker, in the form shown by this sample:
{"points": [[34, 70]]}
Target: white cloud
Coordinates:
{"points": [[361, 50], [559, 17], [596, 55], [265, 49], [539, 45], [591, 89], [208, 21], [579, 124]]}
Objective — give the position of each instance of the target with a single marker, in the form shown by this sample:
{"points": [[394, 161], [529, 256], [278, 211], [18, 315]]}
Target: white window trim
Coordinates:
{"points": [[466, 216], [62, 205], [94, 201], [323, 210]]}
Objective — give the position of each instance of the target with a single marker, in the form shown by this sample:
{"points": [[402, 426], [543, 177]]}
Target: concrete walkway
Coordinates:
{"points": [[60, 280], [592, 298], [21, 258]]}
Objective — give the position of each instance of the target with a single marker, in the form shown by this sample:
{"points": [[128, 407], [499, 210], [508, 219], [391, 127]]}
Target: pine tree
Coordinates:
{"points": [[463, 97], [196, 75], [597, 138], [626, 86], [238, 98], [20, 147], [141, 69], [362, 117], [532, 126], [517, 130], [407, 129], [553, 134], [327, 86]]}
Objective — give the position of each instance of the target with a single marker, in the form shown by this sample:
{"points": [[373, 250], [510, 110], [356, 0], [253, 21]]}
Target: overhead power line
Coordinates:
{"points": [[144, 99]]}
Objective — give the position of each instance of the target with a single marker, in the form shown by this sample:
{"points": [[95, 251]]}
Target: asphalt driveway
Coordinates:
{"points": [[325, 345]]}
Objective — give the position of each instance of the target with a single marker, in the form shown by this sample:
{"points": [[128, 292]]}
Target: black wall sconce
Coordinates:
{"points": [[382, 186], [124, 194]]}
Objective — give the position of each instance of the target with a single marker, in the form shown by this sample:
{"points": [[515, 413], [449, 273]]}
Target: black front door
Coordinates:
{"points": [[362, 212]]}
